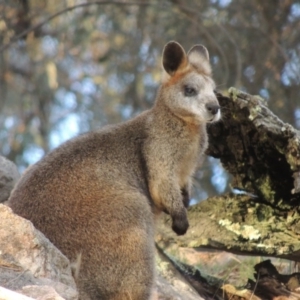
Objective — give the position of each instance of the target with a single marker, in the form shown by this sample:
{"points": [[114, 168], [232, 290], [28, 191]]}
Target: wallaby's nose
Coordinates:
{"points": [[212, 108]]}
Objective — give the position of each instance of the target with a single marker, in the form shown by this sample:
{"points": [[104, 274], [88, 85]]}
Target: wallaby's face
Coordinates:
{"points": [[188, 86]]}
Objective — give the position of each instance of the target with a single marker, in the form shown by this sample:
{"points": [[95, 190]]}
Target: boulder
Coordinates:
{"points": [[9, 175], [6, 294], [28, 258]]}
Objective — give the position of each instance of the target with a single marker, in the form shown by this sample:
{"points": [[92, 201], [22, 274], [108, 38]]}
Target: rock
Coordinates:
{"points": [[6, 294], [27, 257], [173, 291], [9, 175], [170, 284], [41, 292]]}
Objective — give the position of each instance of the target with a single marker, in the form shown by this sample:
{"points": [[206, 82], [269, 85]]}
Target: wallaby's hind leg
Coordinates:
{"points": [[133, 283], [134, 293], [138, 285], [129, 293], [118, 257]]}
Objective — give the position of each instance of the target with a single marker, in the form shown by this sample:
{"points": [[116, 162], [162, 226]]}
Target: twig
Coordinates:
{"points": [[255, 287]]}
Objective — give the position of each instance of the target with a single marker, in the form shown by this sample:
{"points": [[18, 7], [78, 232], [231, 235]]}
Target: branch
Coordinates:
{"points": [[67, 9]]}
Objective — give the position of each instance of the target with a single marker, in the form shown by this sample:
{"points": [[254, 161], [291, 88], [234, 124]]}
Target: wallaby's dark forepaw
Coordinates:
{"points": [[180, 225], [185, 197]]}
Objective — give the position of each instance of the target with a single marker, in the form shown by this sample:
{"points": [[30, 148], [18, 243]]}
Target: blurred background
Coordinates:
{"points": [[70, 66]]}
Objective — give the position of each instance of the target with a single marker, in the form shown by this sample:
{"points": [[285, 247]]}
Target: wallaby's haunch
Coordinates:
{"points": [[95, 196]]}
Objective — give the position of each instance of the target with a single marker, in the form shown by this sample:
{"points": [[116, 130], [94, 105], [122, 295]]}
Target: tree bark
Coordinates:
{"points": [[258, 149]]}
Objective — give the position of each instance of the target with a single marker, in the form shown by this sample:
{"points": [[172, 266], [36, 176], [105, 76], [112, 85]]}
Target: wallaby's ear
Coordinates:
{"points": [[173, 57], [199, 50], [198, 57]]}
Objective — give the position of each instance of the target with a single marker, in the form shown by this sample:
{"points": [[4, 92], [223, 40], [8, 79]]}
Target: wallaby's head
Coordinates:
{"points": [[188, 89]]}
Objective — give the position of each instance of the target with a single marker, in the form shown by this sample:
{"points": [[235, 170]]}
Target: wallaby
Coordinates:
{"points": [[96, 195]]}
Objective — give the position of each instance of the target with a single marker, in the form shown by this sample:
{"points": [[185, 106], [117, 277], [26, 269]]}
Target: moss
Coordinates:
{"points": [[246, 232], [260, 99], [264, 185], [293, 154], [198, 243], [234, 93], [263, 212], [254, 112]]}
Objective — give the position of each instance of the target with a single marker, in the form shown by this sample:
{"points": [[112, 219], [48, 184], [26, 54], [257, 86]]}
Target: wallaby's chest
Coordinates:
{"points": [[188, 160]]}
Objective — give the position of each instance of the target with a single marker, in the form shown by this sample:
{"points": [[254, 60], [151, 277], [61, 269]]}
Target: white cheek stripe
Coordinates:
{"points": [[217, 117]]}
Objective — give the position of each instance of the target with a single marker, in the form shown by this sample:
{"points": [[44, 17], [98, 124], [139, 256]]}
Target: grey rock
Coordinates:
{"points": [[9, 175], [27, 257]]}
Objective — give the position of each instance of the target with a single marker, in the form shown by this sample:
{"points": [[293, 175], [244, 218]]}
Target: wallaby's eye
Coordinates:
{"points": [[189, 91]]}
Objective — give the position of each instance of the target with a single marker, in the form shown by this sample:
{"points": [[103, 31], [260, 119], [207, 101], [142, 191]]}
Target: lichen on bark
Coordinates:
{"points": [[239, 224]]}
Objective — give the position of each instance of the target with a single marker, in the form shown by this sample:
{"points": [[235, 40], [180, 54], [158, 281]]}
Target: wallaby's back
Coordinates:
{"points": [[94, 196]]}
